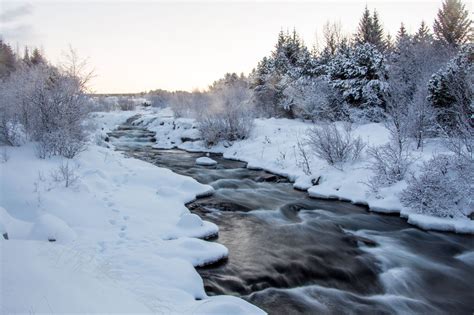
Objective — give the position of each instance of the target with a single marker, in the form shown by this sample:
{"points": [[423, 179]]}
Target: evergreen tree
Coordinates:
{"points": [[377, 32], [423, 34], [37, 58], [26, 56], [359, 74], [389, 45], [452, 25], [7, 60], [402, 33], [450, 90], [364, 31], [289, 61], [370, 30]]}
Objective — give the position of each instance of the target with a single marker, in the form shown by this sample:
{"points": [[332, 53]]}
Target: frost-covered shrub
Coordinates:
{"points": [[232, 124], [126, 104], [230, 115], [12, 133], [188, 104], [315, 99], [65, 173], [102, 104], [225, 126], [67, 143], [48, 105], [335, 146], [442, 189], [390, 163]]}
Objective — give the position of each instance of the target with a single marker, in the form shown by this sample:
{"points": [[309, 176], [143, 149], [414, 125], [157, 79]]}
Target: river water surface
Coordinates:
{"points": [[290, 254]]}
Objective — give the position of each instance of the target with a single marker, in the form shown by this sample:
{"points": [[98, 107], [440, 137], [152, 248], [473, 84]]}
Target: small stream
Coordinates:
{"points": [[290, 254]]}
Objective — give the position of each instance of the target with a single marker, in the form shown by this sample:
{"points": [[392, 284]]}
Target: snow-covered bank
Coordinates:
{"points": [[117, 239], [272, 146]]}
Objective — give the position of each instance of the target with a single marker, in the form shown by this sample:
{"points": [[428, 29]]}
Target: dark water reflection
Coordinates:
{"points": [[290, 254]]}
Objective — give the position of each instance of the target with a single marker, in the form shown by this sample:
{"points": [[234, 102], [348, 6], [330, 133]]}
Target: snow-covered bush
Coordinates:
{"points": [[315, 99], [232, 124], [102, 104], [65, 173], [186, 104], [48, 104], [12, 133], [126, 104], [442, 189], [230, 114], [335, 146], [390, 164], [158, 99]]}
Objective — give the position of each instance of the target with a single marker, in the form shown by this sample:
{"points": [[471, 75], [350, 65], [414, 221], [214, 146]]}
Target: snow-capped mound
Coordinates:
{"points": [[13, 228], [51, 228], [222, 304], [191, 225], [190, 221], [205, 161]]}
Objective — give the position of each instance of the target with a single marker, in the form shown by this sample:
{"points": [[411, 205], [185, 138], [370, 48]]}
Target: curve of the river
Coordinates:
{"points": [[290, 254]]}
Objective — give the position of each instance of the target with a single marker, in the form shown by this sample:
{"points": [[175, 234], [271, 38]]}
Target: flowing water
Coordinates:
{"points": [[290, 254]]}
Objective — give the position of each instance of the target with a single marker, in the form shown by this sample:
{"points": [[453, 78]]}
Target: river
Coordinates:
{"points": [[290, 254]]}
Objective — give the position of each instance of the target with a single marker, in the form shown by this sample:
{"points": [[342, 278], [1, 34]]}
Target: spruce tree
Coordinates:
{"points": [[370, 30], [452, 25], [364, 31], [26, 56], [376, 37], [7, 59], [423, 34], [402, 33], [37, 58]]}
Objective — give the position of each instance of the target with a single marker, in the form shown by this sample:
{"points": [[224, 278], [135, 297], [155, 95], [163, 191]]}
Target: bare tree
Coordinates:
{"points": [[333, 37]]}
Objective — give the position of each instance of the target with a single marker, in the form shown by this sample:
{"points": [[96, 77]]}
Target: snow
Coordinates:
{"points": [[272, 146], [119, 239], [205, 161], [42, 277]]}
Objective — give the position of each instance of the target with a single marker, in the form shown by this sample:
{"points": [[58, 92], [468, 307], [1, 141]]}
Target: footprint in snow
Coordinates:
{"points": [[113, 222], [102, 247], [126, 217]]}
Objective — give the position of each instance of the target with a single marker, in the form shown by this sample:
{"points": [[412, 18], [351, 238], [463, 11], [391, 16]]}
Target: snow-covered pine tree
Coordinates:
{"points": [[452, 25], [289, 61], [359, 74], [451, 89], [402, 34], [370, 30], [377, 37], [423, 35], [364, 30], [7, 59], [37, 58]]}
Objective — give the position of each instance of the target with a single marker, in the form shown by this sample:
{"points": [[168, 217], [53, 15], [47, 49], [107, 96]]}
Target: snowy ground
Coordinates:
{"points": [[272, 146], [118, 239]]}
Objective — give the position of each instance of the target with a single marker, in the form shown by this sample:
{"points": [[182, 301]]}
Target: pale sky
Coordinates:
{"points": [[141, 45]]}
